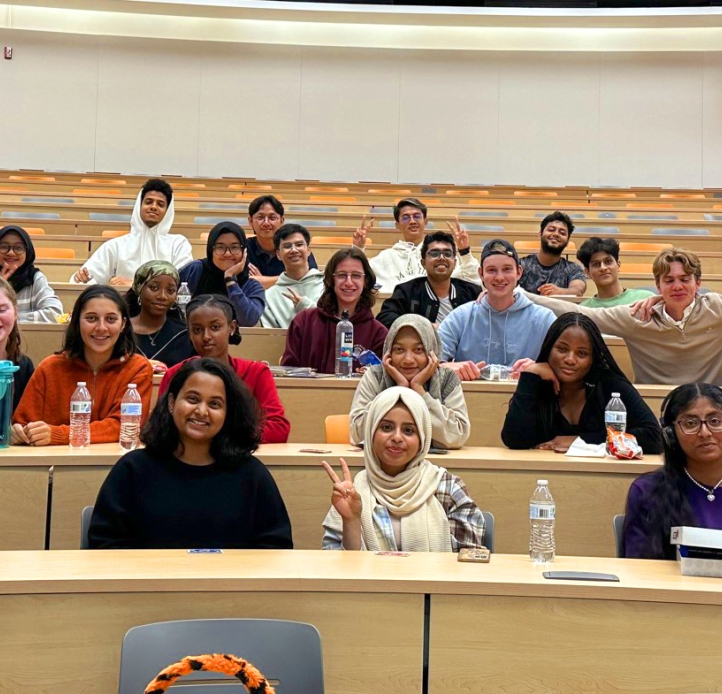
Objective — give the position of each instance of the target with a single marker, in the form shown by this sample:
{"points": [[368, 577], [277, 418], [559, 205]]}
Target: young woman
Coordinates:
{"points": [[563, 395], [196, 484], [212, 328], [411, 360], [159, 328], [36, 301], [99, 349], [348, 286], [225, 271], [400, 501], [10, 341], [687, 490]]}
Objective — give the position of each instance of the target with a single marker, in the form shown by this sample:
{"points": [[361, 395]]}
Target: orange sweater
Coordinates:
{"points": [[47, 394]]}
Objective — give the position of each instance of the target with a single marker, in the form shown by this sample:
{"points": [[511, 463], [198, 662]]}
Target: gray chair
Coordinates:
{"points": [[108, 217], [483, 227], [667, 217], [600, 231], [313, 222], [285, 652], [50, 201], [85, 515], [29, 215], [713, 217], [223, 206], [218, 220], [679, 231], [618, 523], [488, 530], [483, 213]]}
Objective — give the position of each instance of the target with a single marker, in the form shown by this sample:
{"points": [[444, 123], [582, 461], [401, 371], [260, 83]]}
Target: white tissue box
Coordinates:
{"points": [[699, 551]]}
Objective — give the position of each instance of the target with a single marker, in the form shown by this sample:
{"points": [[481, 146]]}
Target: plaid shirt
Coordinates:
{"points": [[466, 521]]}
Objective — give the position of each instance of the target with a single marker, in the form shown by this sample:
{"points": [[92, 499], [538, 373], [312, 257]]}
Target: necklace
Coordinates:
{"points": [[710, 492]]}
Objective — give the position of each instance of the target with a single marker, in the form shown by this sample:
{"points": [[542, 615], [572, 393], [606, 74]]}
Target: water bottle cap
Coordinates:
{"points": [[8, 367], [615, 395], [81, 383], [541, 482], [344, 315], [132, 385]]}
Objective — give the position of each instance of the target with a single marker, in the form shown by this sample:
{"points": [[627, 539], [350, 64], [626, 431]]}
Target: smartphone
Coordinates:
{"points": [[580, 576], [315, 450], [474, 554], [438, 451]]}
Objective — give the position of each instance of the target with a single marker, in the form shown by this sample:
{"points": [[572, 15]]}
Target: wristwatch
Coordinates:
{"points": [[231, 280], [465, 251]]}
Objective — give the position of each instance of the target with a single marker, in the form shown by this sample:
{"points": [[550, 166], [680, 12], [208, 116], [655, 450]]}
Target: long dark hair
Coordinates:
{"points": [[669, 506], [241, 431], [12, 346], [73, 344], [219, 302], [328, 301]]}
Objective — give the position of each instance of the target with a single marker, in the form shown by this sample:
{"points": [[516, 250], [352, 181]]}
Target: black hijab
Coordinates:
{"points": [[212, 281], [25, 274]]}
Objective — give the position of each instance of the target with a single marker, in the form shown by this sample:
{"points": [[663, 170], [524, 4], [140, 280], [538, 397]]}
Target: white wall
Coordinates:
{"points": [[136, 105]]}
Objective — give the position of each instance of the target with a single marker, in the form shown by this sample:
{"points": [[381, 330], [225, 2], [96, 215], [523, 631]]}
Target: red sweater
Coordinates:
{"points": [[47, 395], [257, 376], [311, 338]]}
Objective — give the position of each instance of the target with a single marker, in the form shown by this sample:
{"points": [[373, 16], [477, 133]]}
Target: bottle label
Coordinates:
{"points": [[345, 352], [80, 407], [347, 339], [183, 299], [131, 408], [611, 417], [542, 512]]}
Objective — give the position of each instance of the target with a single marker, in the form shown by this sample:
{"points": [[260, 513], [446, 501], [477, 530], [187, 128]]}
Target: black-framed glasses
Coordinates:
{"points": [[233, 249], [17, 248], [435, 254], [693, 425]]}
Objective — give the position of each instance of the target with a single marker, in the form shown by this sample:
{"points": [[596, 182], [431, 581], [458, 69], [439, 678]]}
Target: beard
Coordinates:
{"points": [[552, 250]]}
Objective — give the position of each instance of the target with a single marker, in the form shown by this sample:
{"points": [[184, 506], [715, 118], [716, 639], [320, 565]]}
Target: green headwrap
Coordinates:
{"points": [[153, 268]]}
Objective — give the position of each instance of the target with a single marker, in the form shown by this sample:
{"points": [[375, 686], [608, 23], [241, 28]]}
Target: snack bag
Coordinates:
{"points": [[623, 446]]}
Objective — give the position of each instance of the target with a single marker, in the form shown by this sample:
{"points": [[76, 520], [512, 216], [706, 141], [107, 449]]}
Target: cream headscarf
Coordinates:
{"points": [[410, 495]]}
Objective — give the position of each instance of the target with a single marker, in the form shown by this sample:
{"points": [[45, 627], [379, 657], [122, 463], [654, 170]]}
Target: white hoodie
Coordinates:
{"points": [[123, 256], [280, 310], [402, 262]]}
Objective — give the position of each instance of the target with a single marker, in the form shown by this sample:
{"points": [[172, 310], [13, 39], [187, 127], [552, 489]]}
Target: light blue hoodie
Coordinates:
{"points": [[478, 332]]}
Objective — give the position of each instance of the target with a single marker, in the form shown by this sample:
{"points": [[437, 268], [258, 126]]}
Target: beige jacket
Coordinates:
{"points": [[661, 352]]}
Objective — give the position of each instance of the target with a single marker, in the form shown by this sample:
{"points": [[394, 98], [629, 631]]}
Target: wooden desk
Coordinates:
{"points": [[495, 627], [23, 500]]}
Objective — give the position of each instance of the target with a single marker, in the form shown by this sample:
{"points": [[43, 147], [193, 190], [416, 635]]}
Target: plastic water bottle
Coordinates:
{"points": [[81, 405], [615, 416], [344, 347], [498, 372], [183, 298], [542, 512], [131, 412]]}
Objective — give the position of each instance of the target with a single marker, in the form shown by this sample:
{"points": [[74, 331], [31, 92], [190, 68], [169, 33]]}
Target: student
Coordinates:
{"points": [[265, 215], [10, 341], [438, 293], [36, 300], [504, 328], [116, 261], [564, 394], [299, 286], [159, 329], [411, 361], [196, 484], [600, 258], [546, 272], [212, 327], [400, 501], [224, 271], [402, 261], [682, 342], [686, 491], [348, 286], [99, 349]]}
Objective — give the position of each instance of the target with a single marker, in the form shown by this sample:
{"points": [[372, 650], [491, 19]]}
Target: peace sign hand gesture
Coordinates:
{"points": [[461, 234], [345, 499], [360, 235]]}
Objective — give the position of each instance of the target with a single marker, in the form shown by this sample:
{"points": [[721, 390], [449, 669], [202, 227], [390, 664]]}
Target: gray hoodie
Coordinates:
{"points": [[280, 310]]}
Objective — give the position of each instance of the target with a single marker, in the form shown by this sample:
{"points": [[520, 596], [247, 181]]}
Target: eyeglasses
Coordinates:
{"points": [[406, 218], [345, 276], [260, 218], [693, 425], [300, 245], [233, 249], [17, 248], [435, 254]]}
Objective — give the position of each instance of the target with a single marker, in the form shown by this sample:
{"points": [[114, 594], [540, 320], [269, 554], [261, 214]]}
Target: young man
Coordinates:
{"points": [[402, 261], [546, 272], [682, 340], [265, 215], [435, 295], [600, 258], [298, 286], [503, 328], [116, 261]]}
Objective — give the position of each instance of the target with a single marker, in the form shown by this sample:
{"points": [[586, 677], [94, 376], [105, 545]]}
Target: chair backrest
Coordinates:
{"points": [[649, 247], [334, 240], [637, 268], [107, 192], [489, 524], [287, 652], [105, 181], [113, 233], [85, 515], [35, 231], [679, 231], [54, 252], [618, 524], [337, 428]]}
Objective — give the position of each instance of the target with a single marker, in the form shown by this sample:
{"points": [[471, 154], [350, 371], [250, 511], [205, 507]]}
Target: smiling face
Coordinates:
{"points": [[227, 251], [439, 268], [8, 317], [408, 353], [500, 275], [677, 287], [266, 222], [348, 283], [411, 224], [13, 251], [293, 252], [210, 331], [571, 356], [705, 446], [101, 323], [603, 269], [153, 208], [554, 238], [396, 440], [199, 410], [158, 295]]}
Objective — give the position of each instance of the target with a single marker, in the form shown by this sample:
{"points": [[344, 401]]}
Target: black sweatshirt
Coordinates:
{"points": [[525, 427], [163, 503]]}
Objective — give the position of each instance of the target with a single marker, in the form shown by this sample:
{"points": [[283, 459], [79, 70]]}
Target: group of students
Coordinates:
{"points": [[213, 411]]}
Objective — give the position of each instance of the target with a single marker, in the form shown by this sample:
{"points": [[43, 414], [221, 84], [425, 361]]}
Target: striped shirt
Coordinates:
{"points": [[38, 303]]}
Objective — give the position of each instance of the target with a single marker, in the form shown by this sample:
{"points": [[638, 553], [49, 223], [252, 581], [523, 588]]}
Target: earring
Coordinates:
{"points": [[138, 299]]}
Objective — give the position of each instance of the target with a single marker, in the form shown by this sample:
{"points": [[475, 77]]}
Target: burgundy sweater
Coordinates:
{"points": [[311, 338]]}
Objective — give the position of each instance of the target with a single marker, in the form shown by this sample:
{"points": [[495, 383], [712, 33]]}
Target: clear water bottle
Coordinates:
{"points": [[542, 512], [615, 416], [183, 298], [344, 347], [81, 405], [131, 412], [498, 372]]}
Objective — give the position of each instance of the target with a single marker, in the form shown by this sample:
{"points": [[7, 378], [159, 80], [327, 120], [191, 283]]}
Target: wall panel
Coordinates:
{"points": [[712, 121]]}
